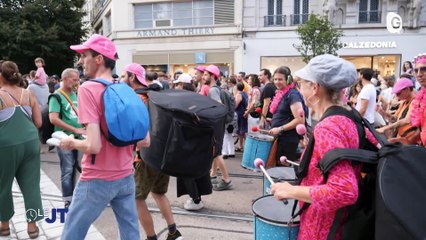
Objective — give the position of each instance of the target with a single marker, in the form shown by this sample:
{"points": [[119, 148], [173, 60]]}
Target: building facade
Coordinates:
{"points": [[269, 32], [170, 35], [247, 35]]}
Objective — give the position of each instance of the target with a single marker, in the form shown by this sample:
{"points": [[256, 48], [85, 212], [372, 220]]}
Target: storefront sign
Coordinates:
{"points": [[383, 44], [176, 32]]}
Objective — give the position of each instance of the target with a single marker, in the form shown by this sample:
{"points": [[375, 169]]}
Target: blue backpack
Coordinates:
{"points": [[125, 114]]}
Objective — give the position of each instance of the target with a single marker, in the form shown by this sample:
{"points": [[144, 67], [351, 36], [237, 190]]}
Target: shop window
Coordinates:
{"points": [[369, 11], [384, 65], [174, 14]]}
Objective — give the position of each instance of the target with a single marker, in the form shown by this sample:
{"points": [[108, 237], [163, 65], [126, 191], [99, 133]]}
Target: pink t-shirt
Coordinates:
{"points": [[111, 162], [40, 76], [204, 90], [341, 188]]}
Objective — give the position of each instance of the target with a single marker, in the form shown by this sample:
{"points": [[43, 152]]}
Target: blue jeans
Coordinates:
{"points": [[89, 200], [69, 161]]}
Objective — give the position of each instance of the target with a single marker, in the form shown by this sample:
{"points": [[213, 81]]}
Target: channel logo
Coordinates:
{"points": [[32, 214], [394, 23]]}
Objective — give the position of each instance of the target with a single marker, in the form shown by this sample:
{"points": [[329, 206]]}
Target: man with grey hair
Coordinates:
{"points": [[63, 114]]}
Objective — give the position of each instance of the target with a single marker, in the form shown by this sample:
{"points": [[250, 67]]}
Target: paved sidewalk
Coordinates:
{"points": [[51, 197]]}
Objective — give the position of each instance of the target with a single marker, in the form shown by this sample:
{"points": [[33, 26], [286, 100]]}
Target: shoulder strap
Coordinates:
{"points": [[69, 101], [58, 98], [335, 155], [102, 81]]}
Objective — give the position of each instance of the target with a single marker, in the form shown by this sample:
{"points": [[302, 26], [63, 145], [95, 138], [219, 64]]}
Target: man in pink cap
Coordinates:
{"points": [[202, 86], [212, 75], [110, 179], [134, 76]]}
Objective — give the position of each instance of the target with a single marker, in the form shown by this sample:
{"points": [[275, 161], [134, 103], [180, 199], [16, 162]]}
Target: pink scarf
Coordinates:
{"points": [[279, 94], [419, 107]]}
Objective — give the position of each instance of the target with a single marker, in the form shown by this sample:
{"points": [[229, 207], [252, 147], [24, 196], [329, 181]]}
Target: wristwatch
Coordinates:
{"points": [[282, 128]]}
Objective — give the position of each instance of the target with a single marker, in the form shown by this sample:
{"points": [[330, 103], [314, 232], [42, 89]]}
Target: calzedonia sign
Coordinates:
{"points": [[379, 44], [176, 32]]}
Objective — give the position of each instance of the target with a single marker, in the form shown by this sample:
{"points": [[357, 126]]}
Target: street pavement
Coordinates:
{"points": [[226, 215]]}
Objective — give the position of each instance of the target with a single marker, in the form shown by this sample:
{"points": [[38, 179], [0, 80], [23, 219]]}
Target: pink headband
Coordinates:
{"points": [[420, 59]]}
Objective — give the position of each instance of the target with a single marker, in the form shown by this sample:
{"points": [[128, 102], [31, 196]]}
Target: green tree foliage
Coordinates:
{"points": [[318, 36], [40, 28]]}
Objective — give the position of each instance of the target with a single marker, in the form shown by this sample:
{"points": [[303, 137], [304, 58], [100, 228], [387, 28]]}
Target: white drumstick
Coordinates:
{"points": [[284, 159], [259, 164]]}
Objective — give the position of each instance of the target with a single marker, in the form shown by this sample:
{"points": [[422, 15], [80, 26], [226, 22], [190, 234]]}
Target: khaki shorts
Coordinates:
{"points": [[148, 179]]}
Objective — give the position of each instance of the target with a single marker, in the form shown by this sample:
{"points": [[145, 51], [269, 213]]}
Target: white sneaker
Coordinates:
{"points": [[190, 205]]}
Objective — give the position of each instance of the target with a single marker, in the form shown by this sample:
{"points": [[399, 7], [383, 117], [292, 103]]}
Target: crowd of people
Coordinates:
{"points": [[273, 101]]}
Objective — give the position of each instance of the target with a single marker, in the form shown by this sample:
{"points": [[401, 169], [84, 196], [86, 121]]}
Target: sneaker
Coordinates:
{"points": [[67, 204], [175, 236], [222, 185], [214, 180], [190, 205]]}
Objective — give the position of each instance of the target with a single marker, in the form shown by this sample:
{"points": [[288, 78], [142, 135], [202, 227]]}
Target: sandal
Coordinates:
{"points": [[4, 232], [33, 234]]}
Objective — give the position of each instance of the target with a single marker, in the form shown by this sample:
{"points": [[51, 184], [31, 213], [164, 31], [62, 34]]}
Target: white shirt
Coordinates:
{"points": [[368, 92]]}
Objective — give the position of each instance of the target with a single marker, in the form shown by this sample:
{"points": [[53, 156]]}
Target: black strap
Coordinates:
{"points": [[336, 224], [58, 98], [335, 155]]}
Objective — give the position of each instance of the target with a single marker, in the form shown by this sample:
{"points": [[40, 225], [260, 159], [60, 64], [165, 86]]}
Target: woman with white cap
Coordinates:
{"points": [[321, 83], [184, 82]]}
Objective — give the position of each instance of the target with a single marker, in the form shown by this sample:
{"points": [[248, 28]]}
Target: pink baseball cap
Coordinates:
{"points": [[213, 70], [401, 84], [100, 44], [200, 68], [183, 78], [138, 70]]}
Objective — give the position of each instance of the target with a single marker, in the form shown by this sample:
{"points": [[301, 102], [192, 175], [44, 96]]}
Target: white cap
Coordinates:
{"points": [[329, 71], [183, 78]]}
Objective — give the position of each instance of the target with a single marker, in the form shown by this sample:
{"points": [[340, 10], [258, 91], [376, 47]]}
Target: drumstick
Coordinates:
{"points": [[256, 129], [284, 159], [259, 164]]}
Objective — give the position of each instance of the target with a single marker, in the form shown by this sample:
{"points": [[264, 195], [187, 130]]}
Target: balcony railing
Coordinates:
{"points": [[370, 16], [97, 7], [297, 19], [282, 21], [275, 20]]}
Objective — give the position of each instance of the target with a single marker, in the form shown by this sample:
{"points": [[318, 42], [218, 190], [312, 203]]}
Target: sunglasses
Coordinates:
{"points": [[422, 69]]}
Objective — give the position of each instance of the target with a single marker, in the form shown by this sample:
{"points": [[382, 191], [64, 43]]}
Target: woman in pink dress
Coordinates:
{"points": [[321, 83]]}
